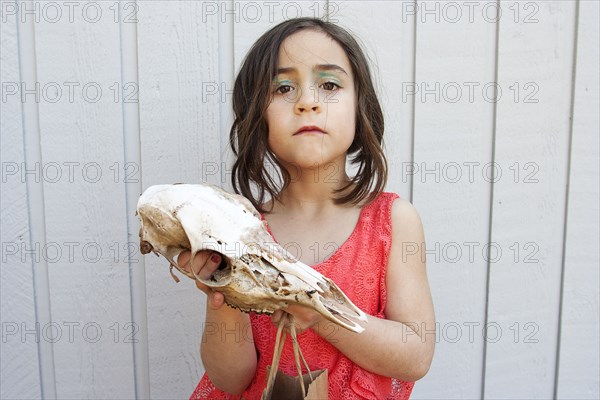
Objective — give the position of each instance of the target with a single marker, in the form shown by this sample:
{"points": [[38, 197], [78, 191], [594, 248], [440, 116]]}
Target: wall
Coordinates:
{"points": [[492, 132]]}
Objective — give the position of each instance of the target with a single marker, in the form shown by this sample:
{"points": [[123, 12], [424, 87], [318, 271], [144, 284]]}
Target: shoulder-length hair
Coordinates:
{"points": [[248, 137]]}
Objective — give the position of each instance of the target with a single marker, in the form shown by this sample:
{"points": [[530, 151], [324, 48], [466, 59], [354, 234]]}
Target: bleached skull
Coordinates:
{"points": [[258, 274]]}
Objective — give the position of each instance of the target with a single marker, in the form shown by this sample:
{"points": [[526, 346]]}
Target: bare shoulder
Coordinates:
{"points": [[406, 222]]}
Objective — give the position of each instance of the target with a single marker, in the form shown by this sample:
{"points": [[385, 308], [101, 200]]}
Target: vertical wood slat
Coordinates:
{"points": [[578, 361], [84, 207], [404, 155], [180, 100], [20, 363], [133, 188], [528, 211], [453, 144], [35, 205], [226, 76]]}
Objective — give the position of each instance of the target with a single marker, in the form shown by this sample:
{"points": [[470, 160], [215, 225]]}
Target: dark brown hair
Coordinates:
{"points": [[252, 93]]}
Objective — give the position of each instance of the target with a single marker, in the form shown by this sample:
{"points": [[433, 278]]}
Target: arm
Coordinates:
{"points": [[402, 345], [227, 348], [229, 359]]}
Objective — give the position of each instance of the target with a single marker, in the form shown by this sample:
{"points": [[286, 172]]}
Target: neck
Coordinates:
{"points": [[312, 190]]}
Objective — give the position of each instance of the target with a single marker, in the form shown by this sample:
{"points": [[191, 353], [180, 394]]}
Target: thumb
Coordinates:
{"points": [[216, 300]]}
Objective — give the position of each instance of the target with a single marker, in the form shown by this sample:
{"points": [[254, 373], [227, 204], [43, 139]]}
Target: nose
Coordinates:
{"points": [[308, 100]]}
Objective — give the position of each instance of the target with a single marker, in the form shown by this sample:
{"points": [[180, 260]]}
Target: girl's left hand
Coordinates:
{"points": [[304, 318]]}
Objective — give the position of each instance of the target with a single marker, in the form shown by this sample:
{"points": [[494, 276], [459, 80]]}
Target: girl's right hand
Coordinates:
{"points": [[204, 264]]}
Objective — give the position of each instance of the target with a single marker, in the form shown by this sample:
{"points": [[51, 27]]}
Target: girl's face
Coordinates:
{"points": [[311, 117]]}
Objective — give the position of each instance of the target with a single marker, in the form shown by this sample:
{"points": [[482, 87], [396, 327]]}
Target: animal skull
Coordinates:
{"points": [[258, 274]]}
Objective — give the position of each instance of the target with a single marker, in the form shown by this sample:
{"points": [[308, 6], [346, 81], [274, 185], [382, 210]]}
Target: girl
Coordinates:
{"points": [[304, 101]]}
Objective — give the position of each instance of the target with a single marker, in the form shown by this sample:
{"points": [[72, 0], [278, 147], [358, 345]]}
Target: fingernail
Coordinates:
{"points": [[215, 258]]}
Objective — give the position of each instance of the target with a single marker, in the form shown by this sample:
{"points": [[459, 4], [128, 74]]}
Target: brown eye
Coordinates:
{"points": [[329, 86], [283, 89]]}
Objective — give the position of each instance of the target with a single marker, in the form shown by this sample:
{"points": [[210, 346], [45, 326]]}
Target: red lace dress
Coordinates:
{"points": [[358, 268]]}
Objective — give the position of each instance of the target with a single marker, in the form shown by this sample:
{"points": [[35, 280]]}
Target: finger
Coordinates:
{"points": [[184, 258], [217, 300], [202, 260], [199, 263], [209, 264]]}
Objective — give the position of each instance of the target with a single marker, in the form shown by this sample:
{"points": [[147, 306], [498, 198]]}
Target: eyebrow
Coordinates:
{"points": [[319, 67]]}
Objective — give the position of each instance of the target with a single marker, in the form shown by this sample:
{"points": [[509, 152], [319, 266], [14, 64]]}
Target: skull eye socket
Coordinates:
{"points": [[223, 274], [223, 264]]}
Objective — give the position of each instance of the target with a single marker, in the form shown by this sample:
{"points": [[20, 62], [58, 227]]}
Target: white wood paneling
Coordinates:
{"points": [[19, 363], [133, 187], [453, 144], [579, 364], [531, 150], [180, 96], [84, 201], [543, 208]]}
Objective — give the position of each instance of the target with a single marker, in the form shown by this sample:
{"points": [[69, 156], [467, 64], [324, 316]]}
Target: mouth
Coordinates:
{"points": [[309, 129]]}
